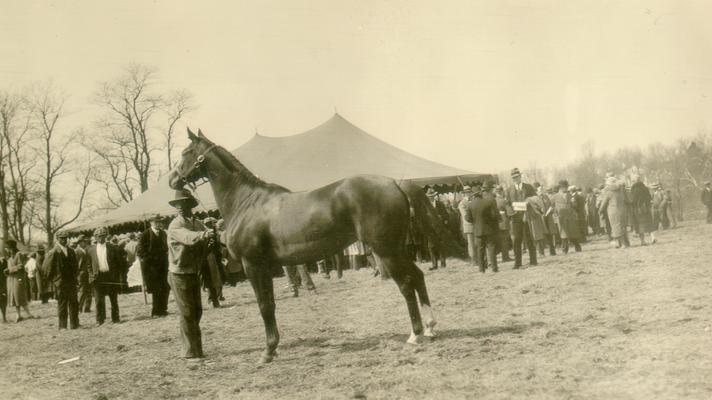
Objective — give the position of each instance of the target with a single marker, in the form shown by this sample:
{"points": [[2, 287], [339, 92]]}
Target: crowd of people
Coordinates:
{"points": [[491, 220]]}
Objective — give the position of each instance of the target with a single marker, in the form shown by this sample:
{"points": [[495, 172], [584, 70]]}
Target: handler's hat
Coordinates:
{"points": [[62, 234], [516, 173], [431, 192], [10, 242], [487, 185], [81, 238], [99, 232], [467, 189], [564, 184], [156, 217], [183, 195], [573, 188]]}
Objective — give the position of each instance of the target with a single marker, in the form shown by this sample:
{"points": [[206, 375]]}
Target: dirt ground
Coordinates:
{"points": [[605, 323]]}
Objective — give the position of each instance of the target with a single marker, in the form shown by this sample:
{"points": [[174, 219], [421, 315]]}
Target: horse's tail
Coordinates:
{"points": [[425, 220]]}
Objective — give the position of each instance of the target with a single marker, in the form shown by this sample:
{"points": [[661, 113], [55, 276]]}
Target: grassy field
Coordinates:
{"points": [[602, 324]]}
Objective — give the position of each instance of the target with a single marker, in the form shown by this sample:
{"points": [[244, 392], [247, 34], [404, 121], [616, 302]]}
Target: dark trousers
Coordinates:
{"points": [[85, 294], [709, 214], [504, 244], [521, 234], [67, 306], [548, 241], [565, 245], [186, 290], [486, 244], [100, 292], [298, 275], [3, 304], [33, 289], [159, 298], [436, 254]]}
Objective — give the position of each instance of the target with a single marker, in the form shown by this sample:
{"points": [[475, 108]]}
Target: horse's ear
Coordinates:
{"points": [[200, 134], [191, 135]]}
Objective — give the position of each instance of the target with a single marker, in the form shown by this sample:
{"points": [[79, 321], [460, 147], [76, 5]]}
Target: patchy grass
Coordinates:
{"points": [[601, 324]]}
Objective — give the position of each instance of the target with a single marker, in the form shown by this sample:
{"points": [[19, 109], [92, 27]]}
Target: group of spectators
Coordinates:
{"points": [[493, 220]]}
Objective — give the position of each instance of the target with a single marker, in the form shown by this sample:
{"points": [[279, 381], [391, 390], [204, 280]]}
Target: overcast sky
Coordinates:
{"points": [[477, 85]]}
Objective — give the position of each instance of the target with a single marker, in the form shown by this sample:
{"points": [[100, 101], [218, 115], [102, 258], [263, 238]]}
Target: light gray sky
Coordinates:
{"points": [[478, 85]]}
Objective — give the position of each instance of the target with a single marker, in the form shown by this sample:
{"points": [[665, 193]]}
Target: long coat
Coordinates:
{"points": [[152, 251], [116, 261], [484, 216], [548, 215], [640, 202], [613, 203], [16, 281], [535, 216], [565, 216]]}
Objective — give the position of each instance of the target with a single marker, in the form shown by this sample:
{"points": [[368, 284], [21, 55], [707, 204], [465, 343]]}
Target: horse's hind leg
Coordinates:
{"points": [[261, 279], [425, 308], [400, 274]]}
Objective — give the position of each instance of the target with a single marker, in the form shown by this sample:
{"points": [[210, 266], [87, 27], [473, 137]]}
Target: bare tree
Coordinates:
{"points": [[52, 151], [138, 121], [178, 104], [15, 164]]}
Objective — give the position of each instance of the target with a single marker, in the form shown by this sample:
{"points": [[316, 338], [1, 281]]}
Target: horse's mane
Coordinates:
{"points": [[245, 175]]}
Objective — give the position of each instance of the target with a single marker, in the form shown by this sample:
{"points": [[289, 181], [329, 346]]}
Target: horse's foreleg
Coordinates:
{"points": [[261, 280], [425, 308]]}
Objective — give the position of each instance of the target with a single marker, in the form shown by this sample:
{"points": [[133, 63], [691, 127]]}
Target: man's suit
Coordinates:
{"points": [[484, 216], [152, 251], [107, 283], [520, 227], [61, 270]]}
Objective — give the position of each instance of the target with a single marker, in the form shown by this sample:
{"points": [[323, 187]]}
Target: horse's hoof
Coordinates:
{"points": [[267, 358], [430, 333], [414, 339]]}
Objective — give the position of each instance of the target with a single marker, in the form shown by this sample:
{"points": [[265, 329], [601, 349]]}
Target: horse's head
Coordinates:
{"points": [[191, 166]]}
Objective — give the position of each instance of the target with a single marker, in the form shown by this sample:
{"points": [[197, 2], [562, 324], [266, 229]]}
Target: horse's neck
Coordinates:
{"points": [[232, 188]]}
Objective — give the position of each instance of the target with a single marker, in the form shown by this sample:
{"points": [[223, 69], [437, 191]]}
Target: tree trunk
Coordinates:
{"points": [[3, 208]]}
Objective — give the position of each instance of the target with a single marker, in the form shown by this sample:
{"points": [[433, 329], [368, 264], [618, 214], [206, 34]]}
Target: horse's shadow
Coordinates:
{"points": [[373, 342]]}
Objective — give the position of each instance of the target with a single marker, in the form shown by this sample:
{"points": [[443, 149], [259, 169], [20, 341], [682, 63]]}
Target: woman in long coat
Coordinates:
{"points": [[614, 205], [547, 216], [640, 200], [16, 279], [566, 218]]}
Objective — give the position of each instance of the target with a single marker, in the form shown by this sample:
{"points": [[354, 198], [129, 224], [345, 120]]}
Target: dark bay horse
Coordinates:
{"points": [[268, 226]]}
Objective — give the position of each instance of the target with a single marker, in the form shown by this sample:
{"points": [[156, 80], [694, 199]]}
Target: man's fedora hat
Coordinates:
{"points": [[181, 196]]}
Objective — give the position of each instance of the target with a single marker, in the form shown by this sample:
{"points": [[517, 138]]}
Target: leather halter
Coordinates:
{"points": [[196, 165]]}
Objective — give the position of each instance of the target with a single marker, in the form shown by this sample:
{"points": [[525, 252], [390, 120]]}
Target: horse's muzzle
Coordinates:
{"points": [[175, 181]]}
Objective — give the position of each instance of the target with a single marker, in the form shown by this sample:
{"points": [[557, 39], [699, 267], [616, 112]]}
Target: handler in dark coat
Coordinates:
{"points": [[187, 251], [153, 253], [108, 264], [484, 216], [62, 269], [520, 231]]}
